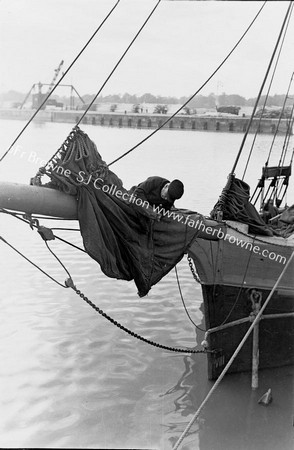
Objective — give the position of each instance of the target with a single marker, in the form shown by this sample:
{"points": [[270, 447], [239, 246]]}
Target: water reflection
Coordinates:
{"points": [[233, 418]]}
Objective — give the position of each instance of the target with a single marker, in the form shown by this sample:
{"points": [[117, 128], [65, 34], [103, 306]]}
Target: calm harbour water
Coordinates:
{"points": [[69, 378]]}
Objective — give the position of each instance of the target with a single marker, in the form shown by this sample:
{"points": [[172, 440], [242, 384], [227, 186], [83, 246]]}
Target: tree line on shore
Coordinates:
{"points": [[199, 101]]}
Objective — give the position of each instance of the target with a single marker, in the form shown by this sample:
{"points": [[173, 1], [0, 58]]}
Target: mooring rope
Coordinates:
{"points": [[228, 365], [64, 74]]}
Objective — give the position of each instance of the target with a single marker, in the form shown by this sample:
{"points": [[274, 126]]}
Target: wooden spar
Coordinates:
{"points": [[37, 200], [256, 304], [255, 357]]}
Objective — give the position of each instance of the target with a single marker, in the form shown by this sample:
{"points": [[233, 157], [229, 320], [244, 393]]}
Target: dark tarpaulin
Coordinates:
{"points": [[126, 240], [235, 205]]}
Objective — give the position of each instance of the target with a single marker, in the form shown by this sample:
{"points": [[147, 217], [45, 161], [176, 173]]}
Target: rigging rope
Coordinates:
{"points": [[192, 96], [182, 298], [265, 101], [119, 61], [31, 262], [64, 74], [33, 223], [277, 129], [240, 288], [276, 181], [288, 13], [42, 170], [287, 136]]}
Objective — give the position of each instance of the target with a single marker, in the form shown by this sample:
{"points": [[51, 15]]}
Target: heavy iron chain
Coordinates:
{"points": [[47, 235], [69, 283], [195, 275]]}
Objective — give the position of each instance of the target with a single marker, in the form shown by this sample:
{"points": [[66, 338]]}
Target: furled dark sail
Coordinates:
{"points": [[234, 204]]}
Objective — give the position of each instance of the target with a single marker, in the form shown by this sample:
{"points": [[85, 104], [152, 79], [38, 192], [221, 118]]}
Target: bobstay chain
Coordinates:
{"points": [[69, 283], [46, 235]]}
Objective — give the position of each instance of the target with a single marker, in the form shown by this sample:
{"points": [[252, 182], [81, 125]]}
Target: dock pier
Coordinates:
{"points": [[213, 123]]}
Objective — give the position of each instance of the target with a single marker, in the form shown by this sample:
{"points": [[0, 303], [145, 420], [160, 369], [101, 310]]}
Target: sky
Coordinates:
{"points": [[179, 48]]}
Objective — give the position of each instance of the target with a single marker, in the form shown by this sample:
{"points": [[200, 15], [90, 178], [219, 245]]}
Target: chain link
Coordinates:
{"points": [[69, 283], [193, 271]]}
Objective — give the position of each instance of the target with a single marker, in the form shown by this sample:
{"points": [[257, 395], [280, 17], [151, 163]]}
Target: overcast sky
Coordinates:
{"points": [[181, 45]]}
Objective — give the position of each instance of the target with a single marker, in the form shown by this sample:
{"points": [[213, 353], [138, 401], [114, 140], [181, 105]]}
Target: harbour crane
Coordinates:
{"points": [[55, 76], [39, 97]]}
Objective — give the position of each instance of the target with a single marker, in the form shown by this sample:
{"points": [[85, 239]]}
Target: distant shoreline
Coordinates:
{"points": [[211, 121]]}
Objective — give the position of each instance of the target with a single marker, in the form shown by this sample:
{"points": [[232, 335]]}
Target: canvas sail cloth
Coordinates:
{"points": [[235, 205], [126, 239]]}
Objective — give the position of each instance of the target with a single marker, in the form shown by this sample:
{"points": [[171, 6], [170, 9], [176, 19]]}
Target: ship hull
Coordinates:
{"points": [[275, 329], [235, 283]]}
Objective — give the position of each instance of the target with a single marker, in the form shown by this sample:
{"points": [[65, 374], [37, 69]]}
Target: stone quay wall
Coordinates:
{"points": [[214, 123]]}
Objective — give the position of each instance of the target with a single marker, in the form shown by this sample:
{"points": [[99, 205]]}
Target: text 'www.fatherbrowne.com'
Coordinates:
{"points": [[186, 220], [218, 233]]}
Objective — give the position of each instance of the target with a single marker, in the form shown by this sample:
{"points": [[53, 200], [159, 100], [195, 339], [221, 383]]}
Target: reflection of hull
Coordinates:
{"points": [[236, 276]]}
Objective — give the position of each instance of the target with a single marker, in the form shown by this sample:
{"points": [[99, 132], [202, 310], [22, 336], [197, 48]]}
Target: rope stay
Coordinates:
{"points": [[119, 61], [183, 301], [33, 222], [31, 262], [229, 363], [265, 101], [288, 14], [76, 127], [57, 84], [192, 96], [279, 168]]}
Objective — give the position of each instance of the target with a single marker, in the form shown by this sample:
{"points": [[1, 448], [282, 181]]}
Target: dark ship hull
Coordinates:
{"points": [[237, 274]]}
